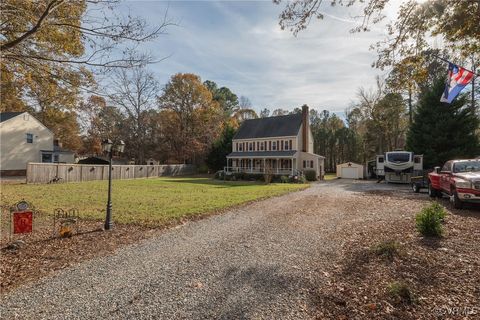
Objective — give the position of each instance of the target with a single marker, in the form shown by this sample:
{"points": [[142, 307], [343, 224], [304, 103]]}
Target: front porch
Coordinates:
{"points": [[280, 166]]}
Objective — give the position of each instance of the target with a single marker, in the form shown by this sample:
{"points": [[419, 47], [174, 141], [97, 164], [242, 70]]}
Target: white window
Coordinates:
{"points": [[274, 145], [29, 137], [240, 147], [250, 147]]}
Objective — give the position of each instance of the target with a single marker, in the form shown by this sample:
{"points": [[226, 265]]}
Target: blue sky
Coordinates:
{"points": [[239, 44]]}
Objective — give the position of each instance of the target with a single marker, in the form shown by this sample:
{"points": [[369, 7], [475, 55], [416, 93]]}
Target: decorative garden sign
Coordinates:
{"points": [[22, 217], [65, 222]]}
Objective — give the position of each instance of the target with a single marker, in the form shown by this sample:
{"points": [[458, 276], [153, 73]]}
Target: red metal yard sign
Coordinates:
{"points": [[22, 222]]}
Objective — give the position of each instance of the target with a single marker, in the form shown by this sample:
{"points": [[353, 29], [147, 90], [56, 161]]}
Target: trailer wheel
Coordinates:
{"points": [[415, 187]]}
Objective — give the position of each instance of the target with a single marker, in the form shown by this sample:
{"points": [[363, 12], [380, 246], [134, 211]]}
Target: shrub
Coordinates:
{"points": [[310, 175], [239, 175], [284, 179], [203, 168], [219, 175], [400, 292], [439, 210], [387, 249], [301, 179], [429, 220]]}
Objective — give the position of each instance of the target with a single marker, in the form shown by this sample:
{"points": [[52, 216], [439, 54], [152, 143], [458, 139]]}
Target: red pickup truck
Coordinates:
{"points": [[458, 179]]}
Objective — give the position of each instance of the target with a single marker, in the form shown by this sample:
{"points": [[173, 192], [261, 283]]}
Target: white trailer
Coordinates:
{"points": [[399, 166]]}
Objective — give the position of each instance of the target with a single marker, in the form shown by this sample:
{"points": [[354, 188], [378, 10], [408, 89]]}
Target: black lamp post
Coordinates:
{"points": [[108, 147]]}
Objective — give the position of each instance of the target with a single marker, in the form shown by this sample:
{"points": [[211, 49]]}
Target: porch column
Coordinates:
{"points": [[291, 165], [251, 165], [278, 162], [264, 165]]}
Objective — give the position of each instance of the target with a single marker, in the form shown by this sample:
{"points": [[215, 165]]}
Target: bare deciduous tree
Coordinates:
{"points": [[135, 91]]}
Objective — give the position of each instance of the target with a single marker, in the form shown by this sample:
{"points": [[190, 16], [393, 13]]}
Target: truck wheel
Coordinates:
{"points": [[455, 200], [415, 188], [431, 191]]}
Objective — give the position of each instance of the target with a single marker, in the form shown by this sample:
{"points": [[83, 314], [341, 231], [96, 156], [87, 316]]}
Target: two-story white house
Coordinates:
{"points": [[24, 139], [280, 145]]}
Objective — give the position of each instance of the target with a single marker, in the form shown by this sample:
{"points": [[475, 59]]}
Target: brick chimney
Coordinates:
{"points": [[305, 126]]}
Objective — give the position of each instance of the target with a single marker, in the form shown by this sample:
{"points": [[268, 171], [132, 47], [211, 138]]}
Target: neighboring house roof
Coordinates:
{"points": [[279, 154], [281, 126], [4, 116], [93, 160], [314, 154]]}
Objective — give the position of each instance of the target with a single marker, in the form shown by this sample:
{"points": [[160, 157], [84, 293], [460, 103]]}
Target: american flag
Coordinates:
{"points": [[458, 78]]}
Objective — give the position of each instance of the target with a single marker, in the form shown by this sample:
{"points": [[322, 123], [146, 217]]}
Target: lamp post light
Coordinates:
{"points": [[108, 147]]}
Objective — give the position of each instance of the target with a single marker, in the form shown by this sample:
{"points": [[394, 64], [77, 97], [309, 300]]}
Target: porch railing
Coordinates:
{"points": [[280, 171]]}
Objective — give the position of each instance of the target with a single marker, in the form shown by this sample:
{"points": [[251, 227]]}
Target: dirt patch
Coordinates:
{"points": [[440, 277]]}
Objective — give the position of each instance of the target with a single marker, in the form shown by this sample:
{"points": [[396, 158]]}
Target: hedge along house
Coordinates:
{"points": [[279, 145]]}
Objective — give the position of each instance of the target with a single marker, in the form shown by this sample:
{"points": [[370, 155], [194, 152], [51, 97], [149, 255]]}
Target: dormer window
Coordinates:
{"points": [[240, 146], [274, 145], [262, 146], [250, 147]]}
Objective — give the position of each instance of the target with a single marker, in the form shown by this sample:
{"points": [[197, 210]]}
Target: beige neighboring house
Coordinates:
{"points": [[24, 139], [282, 145]]}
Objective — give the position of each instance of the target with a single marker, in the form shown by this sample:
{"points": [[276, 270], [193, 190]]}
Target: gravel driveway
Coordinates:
{"points": [[261, 261]]}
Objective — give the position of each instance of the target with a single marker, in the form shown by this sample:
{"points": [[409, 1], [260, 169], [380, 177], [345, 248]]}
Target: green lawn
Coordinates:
{"points": [[145, 201]]}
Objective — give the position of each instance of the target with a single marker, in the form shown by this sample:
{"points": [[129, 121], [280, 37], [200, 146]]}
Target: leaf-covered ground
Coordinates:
{"points": [[441, 276]]}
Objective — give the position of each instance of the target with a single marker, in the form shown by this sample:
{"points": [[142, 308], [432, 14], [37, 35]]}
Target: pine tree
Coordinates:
{"points": [[442, 131]]}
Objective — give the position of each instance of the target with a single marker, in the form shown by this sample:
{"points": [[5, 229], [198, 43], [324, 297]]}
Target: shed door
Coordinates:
{"points": [[349, 173]]}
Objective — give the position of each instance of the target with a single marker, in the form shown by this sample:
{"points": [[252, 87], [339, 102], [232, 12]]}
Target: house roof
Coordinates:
{"points": [[4, 116], [280, 126], [263, 154]]}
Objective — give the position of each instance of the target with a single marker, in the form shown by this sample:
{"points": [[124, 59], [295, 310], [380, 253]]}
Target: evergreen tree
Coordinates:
{"points": [[442, 131], [217, 158]]}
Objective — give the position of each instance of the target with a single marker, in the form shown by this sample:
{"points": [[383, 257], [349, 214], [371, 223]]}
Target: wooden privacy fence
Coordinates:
{"points": [[58, 172]]}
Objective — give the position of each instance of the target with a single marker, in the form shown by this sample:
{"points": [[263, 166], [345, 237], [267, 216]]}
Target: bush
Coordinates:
{"points": [[284, 179], [310, 175], [239, 175], [301, 179], [387, 249], [203, 168], [429, 220], [400, 292], [219, 175]]}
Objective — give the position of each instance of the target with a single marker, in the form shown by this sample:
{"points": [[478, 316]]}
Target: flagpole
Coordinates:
{"points": [[472, 71], [473, 85]]}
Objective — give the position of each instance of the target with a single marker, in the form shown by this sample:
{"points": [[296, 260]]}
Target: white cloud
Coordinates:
{"points": [[240, 45]]}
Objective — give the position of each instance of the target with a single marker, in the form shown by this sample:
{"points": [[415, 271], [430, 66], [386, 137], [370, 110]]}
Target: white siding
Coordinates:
{"points": [[15, 152], [350, 170]]}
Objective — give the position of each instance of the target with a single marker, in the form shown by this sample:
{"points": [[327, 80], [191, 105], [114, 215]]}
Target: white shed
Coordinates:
{"points": [[350, 170]]}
